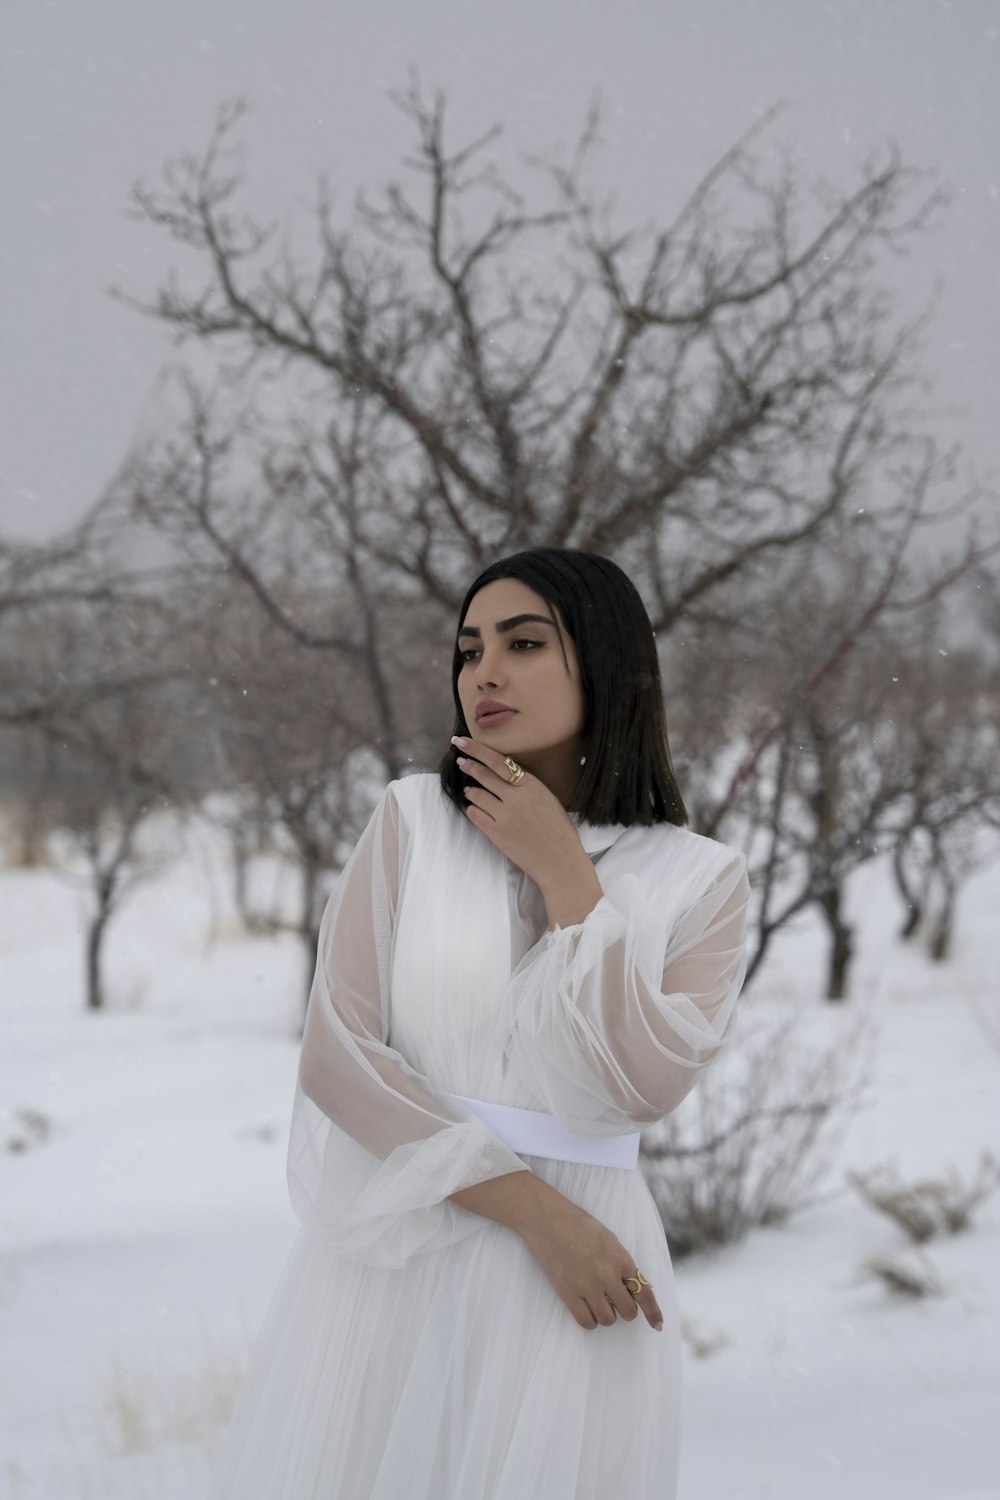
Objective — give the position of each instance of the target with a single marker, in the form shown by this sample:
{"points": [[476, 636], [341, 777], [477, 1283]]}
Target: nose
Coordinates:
{"points": [[487, 672]]}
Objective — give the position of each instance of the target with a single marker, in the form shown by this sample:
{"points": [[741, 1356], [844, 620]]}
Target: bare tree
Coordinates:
{"points": [[92, 706], [809, 755], [103, 826], [298, 739], [491, 374], [479, 367], [467, 367], [944, 738]]}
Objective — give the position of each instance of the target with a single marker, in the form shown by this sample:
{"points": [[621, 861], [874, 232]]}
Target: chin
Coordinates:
{"points": [[493, 732]]}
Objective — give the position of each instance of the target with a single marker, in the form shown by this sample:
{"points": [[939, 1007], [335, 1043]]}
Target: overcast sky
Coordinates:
{"points": [[96, 94]]}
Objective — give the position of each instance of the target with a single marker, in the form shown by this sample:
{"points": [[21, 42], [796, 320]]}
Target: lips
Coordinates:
{"points": [[492, 712], [486, 720]]}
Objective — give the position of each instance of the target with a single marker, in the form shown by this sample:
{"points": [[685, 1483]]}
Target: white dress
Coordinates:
{"points": [[413, 1349]]}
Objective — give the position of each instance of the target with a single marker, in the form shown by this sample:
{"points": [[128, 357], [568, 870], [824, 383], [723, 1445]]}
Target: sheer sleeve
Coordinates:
{"points": [[374, 1151], [612, 1020]]}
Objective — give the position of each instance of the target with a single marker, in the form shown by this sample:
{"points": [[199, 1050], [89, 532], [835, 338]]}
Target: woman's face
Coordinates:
{"points": [[523, 668]]}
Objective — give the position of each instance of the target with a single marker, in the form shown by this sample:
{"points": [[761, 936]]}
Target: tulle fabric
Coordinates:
{"points": [[613, 1019], [374, 1150], [414, 1348]]}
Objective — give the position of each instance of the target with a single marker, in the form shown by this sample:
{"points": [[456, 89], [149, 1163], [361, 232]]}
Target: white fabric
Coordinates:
{"points": [[414, 1348], [532, 1132]]}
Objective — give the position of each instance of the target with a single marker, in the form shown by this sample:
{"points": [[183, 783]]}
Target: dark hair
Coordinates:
{"points": [[627, 777]]}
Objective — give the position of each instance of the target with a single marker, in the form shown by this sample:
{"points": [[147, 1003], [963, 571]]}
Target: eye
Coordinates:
{"points": [[468, 655]]}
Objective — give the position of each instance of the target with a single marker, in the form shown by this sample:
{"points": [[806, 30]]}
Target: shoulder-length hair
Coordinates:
{"points": [[626, 776]]}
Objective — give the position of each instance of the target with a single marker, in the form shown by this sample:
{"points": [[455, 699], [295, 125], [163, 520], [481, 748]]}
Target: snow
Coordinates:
{"points": [[144, 1219]]}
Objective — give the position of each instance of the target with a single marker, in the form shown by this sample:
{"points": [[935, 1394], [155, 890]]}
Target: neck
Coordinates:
{"points": [[556, 768]]}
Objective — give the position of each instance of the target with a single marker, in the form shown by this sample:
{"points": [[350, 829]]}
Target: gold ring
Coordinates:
{"points": [[516, 771], [639, 1280]]}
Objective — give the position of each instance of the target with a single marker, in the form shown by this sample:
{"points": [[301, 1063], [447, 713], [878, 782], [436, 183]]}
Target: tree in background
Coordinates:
{"points": [[944, 735], [296, 737], [466, 367], [470, 373], [98, 717]]}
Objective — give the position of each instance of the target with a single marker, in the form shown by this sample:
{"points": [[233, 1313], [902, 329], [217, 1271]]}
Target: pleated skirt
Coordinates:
{"points": [[461, 1375]]}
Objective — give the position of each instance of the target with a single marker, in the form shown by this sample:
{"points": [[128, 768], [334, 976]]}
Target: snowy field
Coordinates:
{"points": [[144, 1219]]}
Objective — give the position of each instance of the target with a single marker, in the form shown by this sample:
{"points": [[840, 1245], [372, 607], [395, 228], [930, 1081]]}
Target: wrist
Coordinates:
{"points": [[570, 894], [515, 1199], [538, 1204]]}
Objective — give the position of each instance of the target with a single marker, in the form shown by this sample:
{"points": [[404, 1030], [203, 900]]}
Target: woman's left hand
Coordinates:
{"points": [[526, 822]]}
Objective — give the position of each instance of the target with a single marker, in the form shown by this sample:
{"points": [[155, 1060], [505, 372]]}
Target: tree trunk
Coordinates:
{"points": [[106, 889], [239, 848], [914, 906], [841, 944], [939, 946], [31, 840], [95, 939]]}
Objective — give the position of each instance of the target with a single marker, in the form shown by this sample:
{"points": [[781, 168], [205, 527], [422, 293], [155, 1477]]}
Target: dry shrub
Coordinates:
{"points": [[753, 1143], [31, 1128], [147, 1405], [930, 1206], [129, 1408], [909, 1275]]}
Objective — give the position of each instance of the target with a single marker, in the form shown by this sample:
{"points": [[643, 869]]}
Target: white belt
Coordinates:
{"points": [[532, 1132]]}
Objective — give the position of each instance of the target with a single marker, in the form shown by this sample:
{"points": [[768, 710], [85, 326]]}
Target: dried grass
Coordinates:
{"points": [[753, 1144], [145, 1406], [929, 1206], [911, 1274]]}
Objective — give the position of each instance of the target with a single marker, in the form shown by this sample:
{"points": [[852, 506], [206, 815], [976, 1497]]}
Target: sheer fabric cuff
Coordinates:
{"points": [[611, 1019], [382, 1212]]}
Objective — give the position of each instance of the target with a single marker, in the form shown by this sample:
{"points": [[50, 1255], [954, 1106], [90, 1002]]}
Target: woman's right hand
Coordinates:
{"points": [[585, 1263]]}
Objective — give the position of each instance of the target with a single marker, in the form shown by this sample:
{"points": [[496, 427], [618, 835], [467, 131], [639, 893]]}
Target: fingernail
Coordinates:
{"points": [[658, 1326], [458, 739]]}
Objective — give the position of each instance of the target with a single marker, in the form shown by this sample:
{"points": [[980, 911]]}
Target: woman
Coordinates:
{"points": [[526, 959]]}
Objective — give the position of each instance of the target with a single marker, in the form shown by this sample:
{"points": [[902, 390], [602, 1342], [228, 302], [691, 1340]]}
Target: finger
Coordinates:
{"points": [[624, 1303], [649, 1306], [482, 774], [602, 1309], [477, 797], [490, 760], [618, 1312], [586, 1318], [480, 819]]}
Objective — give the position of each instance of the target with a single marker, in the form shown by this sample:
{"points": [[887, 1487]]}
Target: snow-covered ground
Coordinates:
{"points": [[144, 1220]]}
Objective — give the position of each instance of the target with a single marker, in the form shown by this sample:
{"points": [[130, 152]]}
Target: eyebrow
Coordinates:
{"points": [[503, 625]]}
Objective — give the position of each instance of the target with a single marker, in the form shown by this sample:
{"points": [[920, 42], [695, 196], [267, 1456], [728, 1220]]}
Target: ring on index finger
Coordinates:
{"points": [[639, 1279]]}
